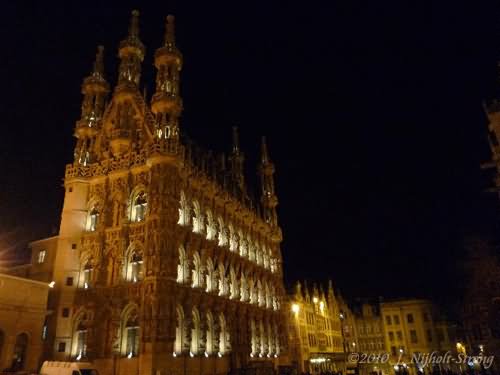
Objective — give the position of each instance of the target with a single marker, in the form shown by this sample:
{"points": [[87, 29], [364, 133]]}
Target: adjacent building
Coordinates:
{"points": [[316, 340], [412, 328], [23, 311], [370, 339]]}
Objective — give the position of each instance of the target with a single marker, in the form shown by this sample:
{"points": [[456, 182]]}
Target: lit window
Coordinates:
{"points": [[134, 271], [92, 219], [81, 343], [87, 275], [132, 339], [41, 256], [139, 206]]}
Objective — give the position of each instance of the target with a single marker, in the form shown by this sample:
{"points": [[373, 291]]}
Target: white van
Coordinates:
{"points": [[68, 368]]}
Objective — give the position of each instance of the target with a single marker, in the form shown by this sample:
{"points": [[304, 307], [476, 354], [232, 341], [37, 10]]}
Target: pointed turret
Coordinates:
{"points": [[131, 53], [298, 292], [166, 103], [307, 295], [331, 292], [269, 200], [237, 160], [94, 90]]}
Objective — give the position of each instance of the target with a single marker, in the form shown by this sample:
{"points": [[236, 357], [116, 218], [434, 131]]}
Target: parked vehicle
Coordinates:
{"points": [[68, 368]]}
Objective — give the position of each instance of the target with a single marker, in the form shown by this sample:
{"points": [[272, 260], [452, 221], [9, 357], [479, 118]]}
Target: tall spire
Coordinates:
{"points": [[133, 29], [269, 200], [94, 90], [99, 63], [166, 103], [170, 32], [237, 160], [131, 53], [236, 141]]}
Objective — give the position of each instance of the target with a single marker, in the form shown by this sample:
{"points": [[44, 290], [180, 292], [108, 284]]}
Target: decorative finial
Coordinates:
{"points": [[330, 285], [99, 62], [264, 153], [133, 30], [170, 31], [236, 141], [298, 288]]}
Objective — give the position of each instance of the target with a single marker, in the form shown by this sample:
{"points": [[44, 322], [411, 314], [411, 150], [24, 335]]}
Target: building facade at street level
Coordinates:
{"points": [[316, 341], [23, 310], [414, 327], [370, 339], [164, 263]]}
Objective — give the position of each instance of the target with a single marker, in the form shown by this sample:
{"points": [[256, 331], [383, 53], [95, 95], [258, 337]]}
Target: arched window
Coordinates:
{"points": [[223, 236], [258, 254], [211, 279], [182, 267], [81, 342], [274, 265], [179, 331], [252, 290], [272, 339], [269, 299], [87, 274], [254, 338], [265, 257], [195, 332], [275, 298], [244, 294], [20, 348], [233, 239], [210, 334], [243, 244], [276, 340], [197, 278], [183, 210], [211, 226], [198, 219], [262, 339], [251, 249], [130, 334], [134, 266], [234, 287], [260, 294], [267, 339], [223, 284], [139, 206], [92, 219], [224, 336]]}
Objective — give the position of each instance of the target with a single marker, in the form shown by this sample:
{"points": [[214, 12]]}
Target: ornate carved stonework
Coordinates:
{"points": [[175, 257]]}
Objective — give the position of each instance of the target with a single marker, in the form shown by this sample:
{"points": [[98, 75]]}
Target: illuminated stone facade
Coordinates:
{"points": [[316, 339], [163, 264], [413, 327]]}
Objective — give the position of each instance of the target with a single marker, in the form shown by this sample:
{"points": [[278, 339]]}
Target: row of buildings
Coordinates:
{"points": [[329, 335]]}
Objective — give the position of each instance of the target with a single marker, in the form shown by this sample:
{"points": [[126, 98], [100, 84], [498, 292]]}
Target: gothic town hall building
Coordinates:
{"points": [[163, 262]]}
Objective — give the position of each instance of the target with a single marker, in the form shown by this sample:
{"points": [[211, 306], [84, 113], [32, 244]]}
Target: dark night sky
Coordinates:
{"points": [[373, 113]]}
